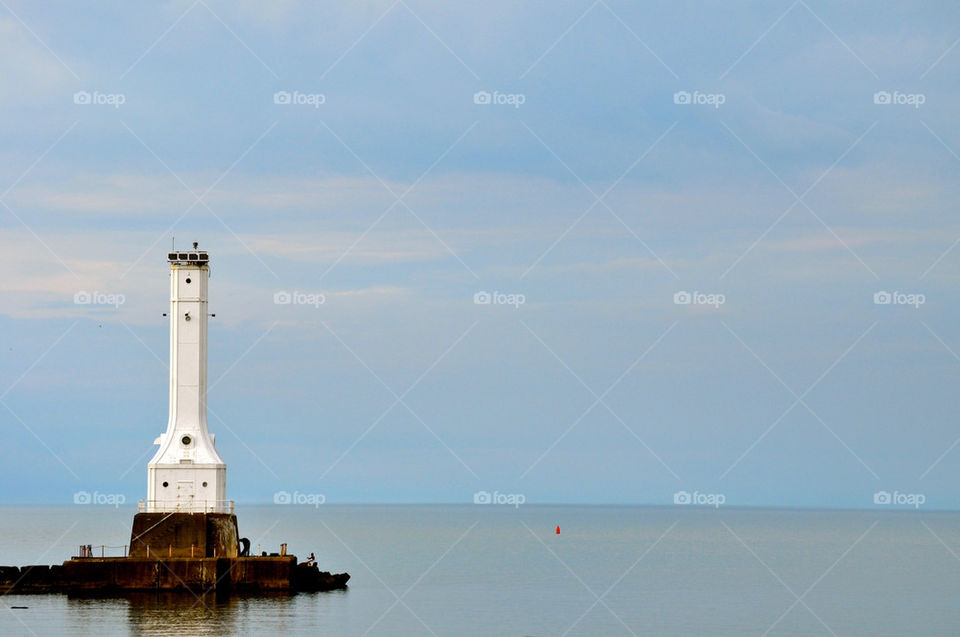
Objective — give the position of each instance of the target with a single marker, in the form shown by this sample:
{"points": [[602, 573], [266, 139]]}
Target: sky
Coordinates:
{"points": [[603, 253]]}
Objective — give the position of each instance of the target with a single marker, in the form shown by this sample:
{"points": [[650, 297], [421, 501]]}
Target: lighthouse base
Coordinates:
{"points": [[196, 552], [192, 535]]}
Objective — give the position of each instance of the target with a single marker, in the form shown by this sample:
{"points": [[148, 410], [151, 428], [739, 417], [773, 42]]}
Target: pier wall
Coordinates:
{"points": [[139, 574]]}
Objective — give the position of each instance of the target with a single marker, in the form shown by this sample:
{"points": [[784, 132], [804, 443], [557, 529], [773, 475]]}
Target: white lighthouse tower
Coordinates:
{"points": [[186, 474]]}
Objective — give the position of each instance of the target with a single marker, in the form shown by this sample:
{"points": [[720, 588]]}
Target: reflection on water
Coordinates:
{"points": [[181, 614], [155, 614], [167, 613]]}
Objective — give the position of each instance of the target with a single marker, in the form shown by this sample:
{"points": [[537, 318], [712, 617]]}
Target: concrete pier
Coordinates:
{"points": [[199, 575], [175, 551]]}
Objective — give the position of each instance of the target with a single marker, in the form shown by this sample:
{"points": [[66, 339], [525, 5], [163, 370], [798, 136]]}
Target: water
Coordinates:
{"points": [[483, 570]]}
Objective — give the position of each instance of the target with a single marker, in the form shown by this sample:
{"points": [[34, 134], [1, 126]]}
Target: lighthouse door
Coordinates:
{"points": [[185, 493]]}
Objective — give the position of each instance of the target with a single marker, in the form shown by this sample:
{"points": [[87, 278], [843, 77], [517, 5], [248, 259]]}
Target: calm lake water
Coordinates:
{"points": [[487, 570]]}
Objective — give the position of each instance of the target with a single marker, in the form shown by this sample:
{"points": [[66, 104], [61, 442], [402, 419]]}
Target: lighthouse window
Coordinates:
{"points": [[166, 484], [188, 279], [204, 484], [185, 440]]}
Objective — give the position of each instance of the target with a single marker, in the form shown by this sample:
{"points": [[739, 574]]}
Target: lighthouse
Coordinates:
{"points": [[185, 534], [187, 474]]}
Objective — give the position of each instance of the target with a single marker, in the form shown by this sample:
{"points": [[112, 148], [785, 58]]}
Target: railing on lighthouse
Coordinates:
{"points": [[193, 506]]}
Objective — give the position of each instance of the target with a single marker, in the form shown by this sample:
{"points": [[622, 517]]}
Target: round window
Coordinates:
{"points": [[166, 484], [186, 440], [204, 484], [188, 279]]}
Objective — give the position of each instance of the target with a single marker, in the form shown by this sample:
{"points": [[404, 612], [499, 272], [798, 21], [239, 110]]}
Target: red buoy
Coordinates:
{"points": [[558, 530]]}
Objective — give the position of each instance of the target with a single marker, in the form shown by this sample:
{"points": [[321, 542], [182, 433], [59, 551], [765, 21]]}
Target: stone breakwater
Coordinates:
{"points": [[199, 575]]}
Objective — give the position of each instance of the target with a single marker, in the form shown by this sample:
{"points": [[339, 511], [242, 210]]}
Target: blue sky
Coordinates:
{"points": [[399, 198]]}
